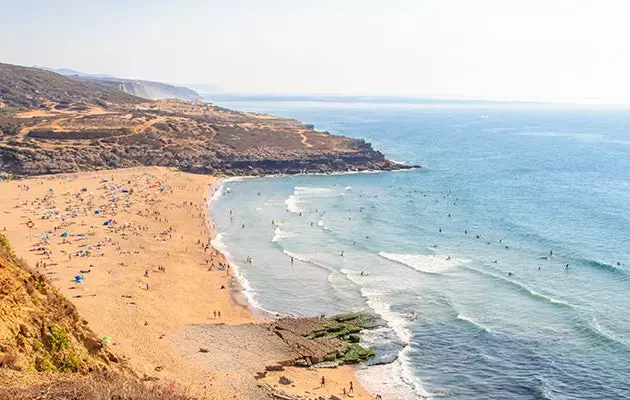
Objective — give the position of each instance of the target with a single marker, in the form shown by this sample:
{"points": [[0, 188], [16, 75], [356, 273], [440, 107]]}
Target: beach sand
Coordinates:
{"points": [[140, 239]]}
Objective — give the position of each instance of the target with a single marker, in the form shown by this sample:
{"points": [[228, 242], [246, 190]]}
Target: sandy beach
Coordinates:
{"points": [[131, 248]]}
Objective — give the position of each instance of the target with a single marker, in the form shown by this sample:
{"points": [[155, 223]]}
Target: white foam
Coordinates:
{"points": [[217, 193], [308, 191], [218, 243], [279, 234], [473, 322], [395, 379], [376, 300], [423, 263], [293, 204]]}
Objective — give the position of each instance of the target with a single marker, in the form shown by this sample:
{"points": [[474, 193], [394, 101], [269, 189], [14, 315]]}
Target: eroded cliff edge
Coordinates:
{"points": [[54, 124]]}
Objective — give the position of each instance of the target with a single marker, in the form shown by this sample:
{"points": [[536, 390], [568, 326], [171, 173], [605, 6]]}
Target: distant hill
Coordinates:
{"points": [[23, 87], [72, 72], [141, 88], [145, 89]]}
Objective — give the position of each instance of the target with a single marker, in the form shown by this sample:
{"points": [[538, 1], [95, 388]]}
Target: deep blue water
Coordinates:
{"points": [[456, 256]]}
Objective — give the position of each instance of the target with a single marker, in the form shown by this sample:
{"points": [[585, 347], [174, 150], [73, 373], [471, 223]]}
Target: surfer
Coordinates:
{"points": [[509, 274], [341, 254], [550, 252], [362, 273], [566, 267]]}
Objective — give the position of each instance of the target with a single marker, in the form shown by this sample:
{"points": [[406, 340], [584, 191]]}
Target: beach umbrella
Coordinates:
{"points": [[65, 234], [107, 339]]}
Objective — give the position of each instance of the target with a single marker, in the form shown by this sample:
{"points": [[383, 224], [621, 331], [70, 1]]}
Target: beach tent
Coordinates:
{"points": [[97, 211], [65, 234]]}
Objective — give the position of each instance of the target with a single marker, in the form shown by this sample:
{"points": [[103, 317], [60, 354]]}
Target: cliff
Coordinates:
{"points": [[55, 124], [145, 89]]}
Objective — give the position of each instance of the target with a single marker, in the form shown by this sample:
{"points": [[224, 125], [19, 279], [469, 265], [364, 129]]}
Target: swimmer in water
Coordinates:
{"points": [[509, 274], [341, 254]]}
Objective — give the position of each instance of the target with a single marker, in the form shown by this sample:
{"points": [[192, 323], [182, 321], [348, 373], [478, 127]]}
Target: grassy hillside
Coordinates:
{"points": [[39, 329], [47, 352], [22, 87]]}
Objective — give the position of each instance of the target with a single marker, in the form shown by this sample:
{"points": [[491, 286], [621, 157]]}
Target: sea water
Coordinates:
{"points": [[502, 266]]}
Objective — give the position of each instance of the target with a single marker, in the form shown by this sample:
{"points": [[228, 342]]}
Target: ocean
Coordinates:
{"points": [[502, 266]]}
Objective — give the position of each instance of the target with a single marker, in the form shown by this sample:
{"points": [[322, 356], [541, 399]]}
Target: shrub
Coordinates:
{"points": [[59, 338], [9, 359]]}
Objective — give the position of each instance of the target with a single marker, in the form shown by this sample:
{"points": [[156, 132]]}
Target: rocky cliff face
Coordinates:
{"points": [[145, 89], [55, 124]]}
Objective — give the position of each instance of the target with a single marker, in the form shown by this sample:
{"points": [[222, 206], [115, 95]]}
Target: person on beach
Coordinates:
{"points": [[323, 381], [351, 390]]}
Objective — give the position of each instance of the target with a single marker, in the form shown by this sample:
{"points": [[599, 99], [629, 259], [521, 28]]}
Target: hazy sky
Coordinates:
{"points": [[500, 49]]}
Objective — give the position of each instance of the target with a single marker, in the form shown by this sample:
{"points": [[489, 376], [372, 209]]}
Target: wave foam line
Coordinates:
{"points": [[247, 290], [523, 288], [423, 263], [396, 379], [279, 234]]}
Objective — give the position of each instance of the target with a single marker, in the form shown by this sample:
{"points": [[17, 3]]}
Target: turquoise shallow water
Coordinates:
{"points": [[456, 256]]}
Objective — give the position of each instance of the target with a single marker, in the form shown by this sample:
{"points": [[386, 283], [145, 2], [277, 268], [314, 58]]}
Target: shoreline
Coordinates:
{"points": [[164, 305]]}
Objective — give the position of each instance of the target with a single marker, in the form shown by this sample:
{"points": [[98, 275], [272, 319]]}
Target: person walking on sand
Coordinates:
{"points": [[323, 381], [351, 390]]}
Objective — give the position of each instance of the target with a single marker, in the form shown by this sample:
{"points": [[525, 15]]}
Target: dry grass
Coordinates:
{"points": [[94, 388]]}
